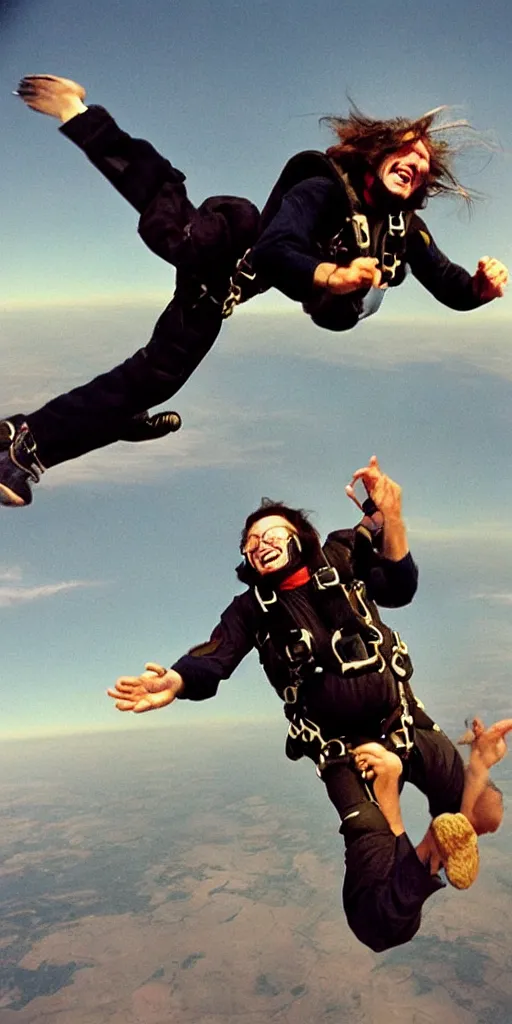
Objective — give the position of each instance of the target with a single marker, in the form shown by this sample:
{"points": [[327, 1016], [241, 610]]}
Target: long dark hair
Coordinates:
{"points": [[365, 140]]}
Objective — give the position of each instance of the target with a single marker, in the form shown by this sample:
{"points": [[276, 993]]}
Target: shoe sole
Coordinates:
{"points": [[10, 498], [457, 843]]}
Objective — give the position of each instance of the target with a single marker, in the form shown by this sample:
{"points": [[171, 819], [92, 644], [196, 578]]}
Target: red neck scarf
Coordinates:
{"points": [[297, 579]]}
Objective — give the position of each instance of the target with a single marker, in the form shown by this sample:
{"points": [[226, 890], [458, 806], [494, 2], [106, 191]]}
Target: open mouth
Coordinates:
{"points": [[404, 174], [269, 556]]}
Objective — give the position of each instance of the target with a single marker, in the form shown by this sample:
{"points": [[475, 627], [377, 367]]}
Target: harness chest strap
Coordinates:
{"points": [[299, 652], [244, 284]]}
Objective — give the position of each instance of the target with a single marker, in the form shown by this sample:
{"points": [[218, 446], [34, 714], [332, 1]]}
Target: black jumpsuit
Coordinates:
{"points": [[385, 883], [204, 244]]}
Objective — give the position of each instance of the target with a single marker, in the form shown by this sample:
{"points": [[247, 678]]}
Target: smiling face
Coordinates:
{"points": [[406, 169], [266, 546]]}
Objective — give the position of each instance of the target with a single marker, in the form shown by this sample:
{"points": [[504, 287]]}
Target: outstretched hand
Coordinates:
{"points": [[48, 94], [154, 688], [490, 279]]}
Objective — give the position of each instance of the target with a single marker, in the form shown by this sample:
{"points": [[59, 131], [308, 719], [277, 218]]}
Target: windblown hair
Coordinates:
{"points": [[365, 141]]}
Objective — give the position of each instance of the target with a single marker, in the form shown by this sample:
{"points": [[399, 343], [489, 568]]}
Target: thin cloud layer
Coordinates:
{"points": [[490, 597], [11, 594], [480, 339]]}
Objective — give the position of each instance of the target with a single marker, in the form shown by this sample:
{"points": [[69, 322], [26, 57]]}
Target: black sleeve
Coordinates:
{"points": [[133, 166], [390, 584], [287, 253], [446, 281], [206, 664]]}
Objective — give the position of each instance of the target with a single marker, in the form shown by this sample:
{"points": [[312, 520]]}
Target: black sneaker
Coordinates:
{"points": [[144, 427], [19, 464]]}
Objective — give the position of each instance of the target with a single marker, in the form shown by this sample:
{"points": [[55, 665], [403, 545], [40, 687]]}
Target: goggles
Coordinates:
{"points": [[275, 536]]}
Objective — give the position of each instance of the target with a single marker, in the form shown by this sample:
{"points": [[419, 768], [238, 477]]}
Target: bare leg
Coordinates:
{"points": [[481, 802], [57, 97], [450, 841], [481, 805], [385, 769]]}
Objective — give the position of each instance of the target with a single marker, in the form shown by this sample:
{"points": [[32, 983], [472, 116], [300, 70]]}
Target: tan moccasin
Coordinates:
{"points": [[457, 843]]}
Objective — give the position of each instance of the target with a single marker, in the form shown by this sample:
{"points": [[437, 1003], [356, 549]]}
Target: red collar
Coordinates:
{"points": [[297, 579]]}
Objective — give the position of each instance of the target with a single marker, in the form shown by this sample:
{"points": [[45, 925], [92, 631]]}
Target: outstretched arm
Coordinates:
{"points": [[448, 282], [133, 166], [196, 675]]}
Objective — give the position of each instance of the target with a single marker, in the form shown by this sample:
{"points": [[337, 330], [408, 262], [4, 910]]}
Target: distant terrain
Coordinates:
{"points": [[156, 877]]}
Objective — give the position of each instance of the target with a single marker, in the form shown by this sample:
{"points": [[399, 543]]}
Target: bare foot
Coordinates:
{"points": [[489, 745], [48, 94], [384, 768]]}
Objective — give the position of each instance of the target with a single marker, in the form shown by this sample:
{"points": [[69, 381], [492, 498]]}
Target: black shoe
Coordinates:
{"points": [[144, 427], [19, 464]]}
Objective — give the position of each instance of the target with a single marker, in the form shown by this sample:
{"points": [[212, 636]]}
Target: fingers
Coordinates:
{"points": [[124, 692], [349, 491], [125, 705], [369, 756], [127, 682], [372, 747], [500, 729], [365, 262], [491, 277], [123, 702], [372, 468], [152, 666]]}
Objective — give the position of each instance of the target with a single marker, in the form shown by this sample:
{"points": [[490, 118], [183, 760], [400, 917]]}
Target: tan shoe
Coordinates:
{"points": [[457, 843]]}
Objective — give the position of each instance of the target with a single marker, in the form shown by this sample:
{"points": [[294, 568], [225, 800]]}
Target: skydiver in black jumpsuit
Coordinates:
{"points": [[343, 676], [329, 237]]}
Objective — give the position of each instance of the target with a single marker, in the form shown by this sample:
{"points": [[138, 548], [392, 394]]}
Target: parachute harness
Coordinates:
{"points": [[354, 238], [356, 654], [394, 239]]}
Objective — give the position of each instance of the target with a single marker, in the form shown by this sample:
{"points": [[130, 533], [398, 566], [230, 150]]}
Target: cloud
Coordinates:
{"points": [[491, 597], [223, 437], [479, 339], [496, 533], [11, 594], [10, 574], [123, 464]]}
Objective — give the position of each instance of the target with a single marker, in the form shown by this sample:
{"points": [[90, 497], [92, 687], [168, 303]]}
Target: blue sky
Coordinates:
{"points": [[128, 554]]}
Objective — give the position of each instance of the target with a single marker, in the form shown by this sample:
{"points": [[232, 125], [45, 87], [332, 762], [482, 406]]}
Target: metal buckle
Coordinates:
{"points": [[398, 653], [308, 731], [327, 754], [326, 576], [361, 230], [265, 604], [390, 264], [232, 300], [303, 636], [396, 224], [290, 694], [361, 665]]}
